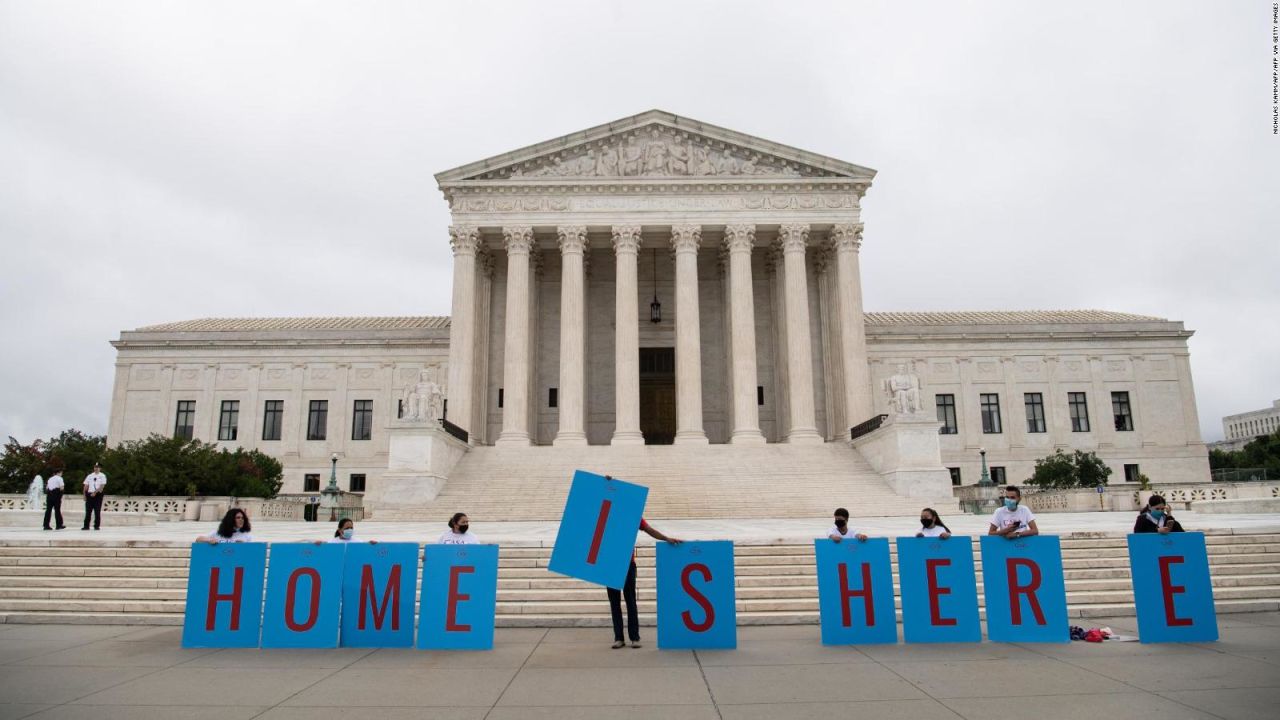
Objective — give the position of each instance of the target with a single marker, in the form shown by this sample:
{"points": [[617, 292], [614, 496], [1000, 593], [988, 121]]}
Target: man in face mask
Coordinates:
{"points": [[840, 530], [1013, 519]]}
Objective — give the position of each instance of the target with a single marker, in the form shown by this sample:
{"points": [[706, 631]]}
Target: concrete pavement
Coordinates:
{"points": [[103, 673]]}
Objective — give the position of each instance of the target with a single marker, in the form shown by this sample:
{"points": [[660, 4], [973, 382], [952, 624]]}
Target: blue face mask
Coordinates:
{"points": [[1011, 504], [1157, 514], [347, 533]]}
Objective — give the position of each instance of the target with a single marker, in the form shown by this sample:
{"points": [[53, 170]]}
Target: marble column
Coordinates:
{"points": [[739, 240], [515, 348], [846, 239], [626, 390], [465, 241], [804, 425], [572, 400], [685, 240], [479, 427]]}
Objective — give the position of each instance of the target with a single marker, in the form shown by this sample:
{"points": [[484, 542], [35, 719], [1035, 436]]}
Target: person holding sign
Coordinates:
{"points": [[234, 528], [841, 530], [1155, 518], [932, 526], [346, 533], [459, 532], [1013, 520], [629, 591]]}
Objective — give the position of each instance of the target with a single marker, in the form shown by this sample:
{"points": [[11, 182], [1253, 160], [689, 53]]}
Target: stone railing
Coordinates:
{"points": [[1130, 498], [176, 509]]}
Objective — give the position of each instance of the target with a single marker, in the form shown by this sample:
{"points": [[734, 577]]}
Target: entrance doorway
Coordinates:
{"points": [[658, 395]]}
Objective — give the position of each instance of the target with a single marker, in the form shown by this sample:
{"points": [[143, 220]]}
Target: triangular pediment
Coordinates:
{"points": [[653, 145]]}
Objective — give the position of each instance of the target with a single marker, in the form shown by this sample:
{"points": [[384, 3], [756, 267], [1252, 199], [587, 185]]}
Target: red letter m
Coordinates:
{"points": [[390, 595]]}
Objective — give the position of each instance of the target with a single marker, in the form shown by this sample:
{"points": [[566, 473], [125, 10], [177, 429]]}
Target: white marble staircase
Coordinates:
{"points": [[770, 481]]}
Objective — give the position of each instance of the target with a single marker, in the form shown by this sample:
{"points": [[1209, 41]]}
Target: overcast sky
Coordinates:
{"points": [[172, 160]]}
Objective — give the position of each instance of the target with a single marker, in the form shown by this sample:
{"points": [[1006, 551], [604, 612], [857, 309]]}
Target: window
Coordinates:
{"points": [[317, 419], [184, 422], [760, 395], [311, 482], [990, 413], [356, 483], [399, 409], [1131, 473], [272, 418], [1079, 412], [1035, 412], [229, 420], [955, 475], [362, 420], [553, 397], [997, 474], [1120, 409], [946, 405], [500, 394]]}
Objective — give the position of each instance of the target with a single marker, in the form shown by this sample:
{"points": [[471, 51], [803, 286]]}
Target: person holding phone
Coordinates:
{"points": [[1013, 520], [1155, 518]]}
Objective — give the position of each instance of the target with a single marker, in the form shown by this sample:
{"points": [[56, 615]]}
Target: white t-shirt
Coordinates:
{"points": [[849, 532], [238, 536], [452, 538], [935, 531], [55, 483], [1003, 517]]}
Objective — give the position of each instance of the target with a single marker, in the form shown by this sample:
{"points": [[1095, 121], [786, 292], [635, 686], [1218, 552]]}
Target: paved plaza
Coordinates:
{"points": [[757, 530], [101, 673]]}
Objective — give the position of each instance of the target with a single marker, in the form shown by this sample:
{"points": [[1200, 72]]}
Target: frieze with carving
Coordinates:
{"points": [[656, 151]]}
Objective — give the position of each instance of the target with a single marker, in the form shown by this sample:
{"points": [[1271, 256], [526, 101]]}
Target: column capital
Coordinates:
{"points": [[740, 238], [573, 238], [793, 237], [464, 239], [626, 239], [846, 236], [686, 238], [517, 238]]}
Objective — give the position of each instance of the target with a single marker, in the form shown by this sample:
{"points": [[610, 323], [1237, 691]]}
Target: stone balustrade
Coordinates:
{"points": [[177, 509]]}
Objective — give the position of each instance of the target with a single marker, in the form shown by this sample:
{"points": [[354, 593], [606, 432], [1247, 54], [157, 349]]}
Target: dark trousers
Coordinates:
{"points": [[615, 607], [93, 503], [53, 504]]}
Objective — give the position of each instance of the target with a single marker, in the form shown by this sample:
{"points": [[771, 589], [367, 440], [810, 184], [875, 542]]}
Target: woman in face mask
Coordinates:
{"points": [[346, 533], [459, 532], [840, 529], [1155, 518], [932, 526]]}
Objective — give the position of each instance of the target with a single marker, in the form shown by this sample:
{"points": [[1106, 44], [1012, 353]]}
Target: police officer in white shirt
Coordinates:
{"points": [[459, 532], [53, 499], [94, 484], [1013, 520]]}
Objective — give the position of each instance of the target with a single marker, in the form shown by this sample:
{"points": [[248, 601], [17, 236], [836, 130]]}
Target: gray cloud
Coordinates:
{"points": [[163, 161]]}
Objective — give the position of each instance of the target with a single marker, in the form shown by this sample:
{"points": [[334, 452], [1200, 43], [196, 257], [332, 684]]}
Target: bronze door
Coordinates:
{"points": [[658, 395]]}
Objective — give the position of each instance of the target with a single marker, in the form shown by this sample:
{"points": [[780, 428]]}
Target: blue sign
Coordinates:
{"points": [[304, 595], [855, 591], [378, 583], [939, 590], [224, 595], [1172, 588], [696, 598], [598, 529], [1025, 589], [459, 597]]}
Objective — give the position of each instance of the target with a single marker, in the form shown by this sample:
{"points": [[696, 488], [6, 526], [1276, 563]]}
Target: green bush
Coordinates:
{"points": [[1059, 470], [155, 466]]}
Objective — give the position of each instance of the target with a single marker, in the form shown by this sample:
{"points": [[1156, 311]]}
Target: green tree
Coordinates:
{"points": [[72, 452], [1080, 469]]}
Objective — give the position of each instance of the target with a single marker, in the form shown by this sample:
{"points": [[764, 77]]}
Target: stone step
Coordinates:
{"points": [[49, 581], [82, 593]]}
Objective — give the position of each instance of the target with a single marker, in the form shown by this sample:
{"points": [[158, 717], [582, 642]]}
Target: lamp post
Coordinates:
{"points": [[329, 495], [985, 478]]}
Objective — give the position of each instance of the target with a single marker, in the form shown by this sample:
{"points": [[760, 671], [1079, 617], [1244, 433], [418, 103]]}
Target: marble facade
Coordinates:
{"points": [[752, 249]]}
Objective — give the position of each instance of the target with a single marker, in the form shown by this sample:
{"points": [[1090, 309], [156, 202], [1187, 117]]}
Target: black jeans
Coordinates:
{"points": [[53, 505], [93, 503], [615, 607]]}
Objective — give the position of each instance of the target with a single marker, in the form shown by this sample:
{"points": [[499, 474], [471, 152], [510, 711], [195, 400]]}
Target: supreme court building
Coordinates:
{"points": [[654, 281]]}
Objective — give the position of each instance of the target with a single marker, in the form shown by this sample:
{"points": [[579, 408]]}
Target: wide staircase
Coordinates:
{"points": [[769, 481], [123, 582]]}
